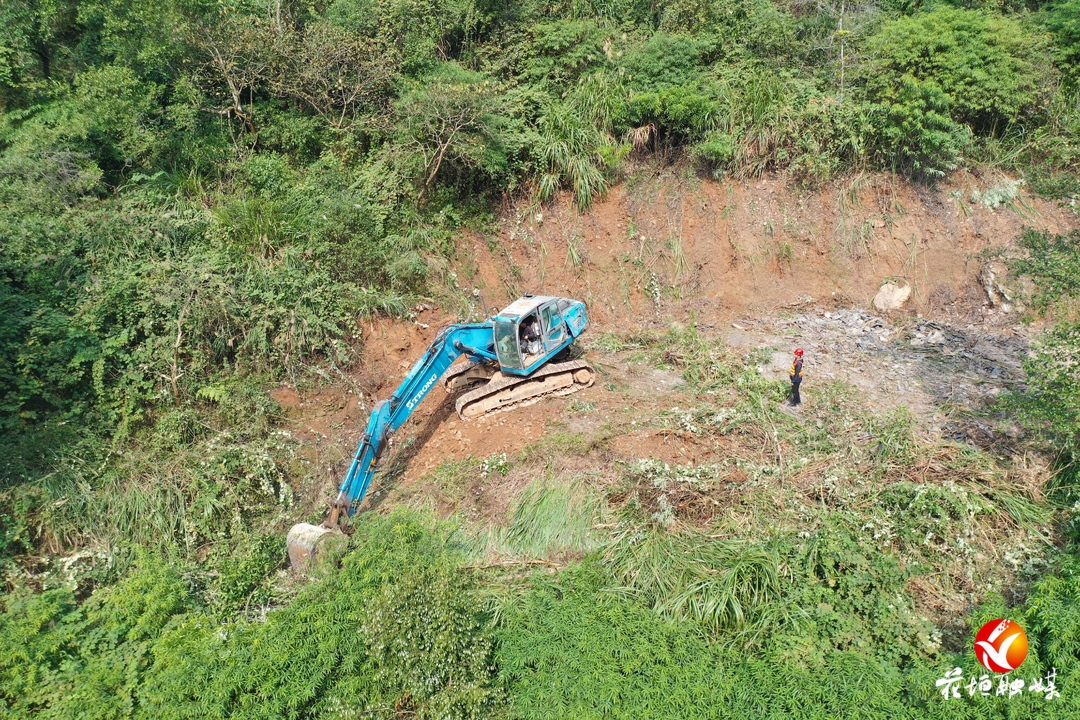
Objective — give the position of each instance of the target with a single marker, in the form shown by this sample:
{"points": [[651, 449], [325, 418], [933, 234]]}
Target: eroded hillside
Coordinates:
{"points": [[697, 293]]}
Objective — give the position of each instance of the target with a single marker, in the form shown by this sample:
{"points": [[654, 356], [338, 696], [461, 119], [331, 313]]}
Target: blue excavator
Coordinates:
{"points": [[515, 358]]}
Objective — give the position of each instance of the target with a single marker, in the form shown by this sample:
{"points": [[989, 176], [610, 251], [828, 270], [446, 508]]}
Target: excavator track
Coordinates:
{"points": [[508, 392], [468, 375]]}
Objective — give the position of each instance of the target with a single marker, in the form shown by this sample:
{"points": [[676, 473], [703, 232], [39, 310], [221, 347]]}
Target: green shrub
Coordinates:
{"points": [[429, 649], [852, 597], [570, 152], [86, 662], [560, 52], [452, 118], [268, 174], [665, 61], [717, 151], [768, 120], [830, 138], [675, 114], [1052, 616], [1063, 20], [241, 571], [418, 33], [104, 117], [993, 70], [37, 632], [916, 135], [571, 650]]}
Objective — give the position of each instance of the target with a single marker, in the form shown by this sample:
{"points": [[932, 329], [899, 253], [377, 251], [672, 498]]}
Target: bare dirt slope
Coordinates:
{"points": [[757, 263], [661, 246]]}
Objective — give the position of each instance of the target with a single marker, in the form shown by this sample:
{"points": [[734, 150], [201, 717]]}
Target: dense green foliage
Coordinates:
{"points": [[992, 71], [398, 628], [1063, 19], [572, 650]]}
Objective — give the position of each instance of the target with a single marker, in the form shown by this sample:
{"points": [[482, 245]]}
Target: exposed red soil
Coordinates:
{"points": [[750, 247], [747, 250]]}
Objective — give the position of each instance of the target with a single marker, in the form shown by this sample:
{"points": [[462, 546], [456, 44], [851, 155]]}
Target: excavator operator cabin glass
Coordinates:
{"points": [[506, 344], [546, 312]]}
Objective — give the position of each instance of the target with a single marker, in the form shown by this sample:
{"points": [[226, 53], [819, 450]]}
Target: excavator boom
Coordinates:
{"points": [[472, 339]]}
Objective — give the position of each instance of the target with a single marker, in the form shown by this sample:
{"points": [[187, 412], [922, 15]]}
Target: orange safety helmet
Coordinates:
{"points": [[798, 352]]}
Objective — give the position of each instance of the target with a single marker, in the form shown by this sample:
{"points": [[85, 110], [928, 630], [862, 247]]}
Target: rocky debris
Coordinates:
{"points": [[891, 297], [996, 294], [934, 337], [935, 369], [931, 333]]}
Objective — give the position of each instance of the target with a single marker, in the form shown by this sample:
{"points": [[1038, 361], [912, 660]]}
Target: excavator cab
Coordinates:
{"points": [[555, 322], [519, 343]]}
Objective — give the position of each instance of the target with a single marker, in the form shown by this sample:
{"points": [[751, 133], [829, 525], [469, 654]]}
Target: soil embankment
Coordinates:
{"points": [[758, 263]]}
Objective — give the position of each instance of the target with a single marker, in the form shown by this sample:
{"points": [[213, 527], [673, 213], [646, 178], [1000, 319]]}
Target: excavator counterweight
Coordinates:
{"points": [[511, 363]]}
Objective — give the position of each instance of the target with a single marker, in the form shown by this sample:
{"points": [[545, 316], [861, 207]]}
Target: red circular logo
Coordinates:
{"points": [[1001, 645]]}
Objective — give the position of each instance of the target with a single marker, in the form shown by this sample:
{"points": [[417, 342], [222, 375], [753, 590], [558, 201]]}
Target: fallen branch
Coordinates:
{"points": [[513, 563]]}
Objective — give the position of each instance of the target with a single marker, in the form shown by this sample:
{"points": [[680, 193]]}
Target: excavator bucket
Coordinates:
{"points": [[304, 542]]}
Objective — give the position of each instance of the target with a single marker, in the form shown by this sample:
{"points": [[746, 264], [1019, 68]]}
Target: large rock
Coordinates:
{"points": [[305, 540], [891, 296]]}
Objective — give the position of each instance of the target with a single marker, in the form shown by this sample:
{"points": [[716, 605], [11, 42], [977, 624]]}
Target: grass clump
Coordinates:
{"points": [[553, 520], [722, 586]]}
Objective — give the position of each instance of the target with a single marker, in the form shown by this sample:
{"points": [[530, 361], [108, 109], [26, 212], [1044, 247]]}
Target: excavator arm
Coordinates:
{"points": [[502, 375], [475, 340]]}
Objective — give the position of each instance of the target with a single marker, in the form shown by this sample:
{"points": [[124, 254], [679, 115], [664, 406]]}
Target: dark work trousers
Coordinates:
{"points": [[795, 399]]}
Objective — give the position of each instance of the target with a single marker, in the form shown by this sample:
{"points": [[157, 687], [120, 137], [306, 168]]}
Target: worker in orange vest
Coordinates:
{"points": [[796, 377]]}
